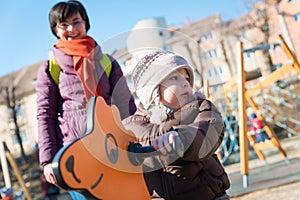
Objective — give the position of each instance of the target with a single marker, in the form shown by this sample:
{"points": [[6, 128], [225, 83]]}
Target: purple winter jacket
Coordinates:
{"points": [[61, 109]]}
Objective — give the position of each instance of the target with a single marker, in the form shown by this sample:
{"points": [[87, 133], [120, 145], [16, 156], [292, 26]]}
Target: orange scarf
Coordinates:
{"points": [[83, 57]]}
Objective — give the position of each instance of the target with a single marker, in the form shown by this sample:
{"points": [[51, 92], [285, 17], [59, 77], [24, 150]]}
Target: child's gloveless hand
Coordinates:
{"points": [[162, 143]]}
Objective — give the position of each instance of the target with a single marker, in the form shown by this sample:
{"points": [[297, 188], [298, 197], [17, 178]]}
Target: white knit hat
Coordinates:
{"points": [[153, 69]]}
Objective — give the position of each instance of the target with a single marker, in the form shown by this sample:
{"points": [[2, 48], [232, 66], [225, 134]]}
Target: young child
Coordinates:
{"points": [[61, 107], [169, 108], [257, 129]]}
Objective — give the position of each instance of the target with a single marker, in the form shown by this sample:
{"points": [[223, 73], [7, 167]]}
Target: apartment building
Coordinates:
{"points": [[21, 91], [209, 44]]}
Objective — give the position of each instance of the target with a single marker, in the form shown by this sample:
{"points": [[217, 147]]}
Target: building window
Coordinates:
{"points": [[23, 135], [166, 48], [248, 55], [242, 36], [220, 70], [207, 36], [19, 111], [129, 80], [122, 64], [297, 17], [215, 70], [214, 53], [210, 54], [209, 73]]}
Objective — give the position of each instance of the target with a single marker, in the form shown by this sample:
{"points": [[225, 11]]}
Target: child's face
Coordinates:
{"points": [[176, 90], [72, 29]]}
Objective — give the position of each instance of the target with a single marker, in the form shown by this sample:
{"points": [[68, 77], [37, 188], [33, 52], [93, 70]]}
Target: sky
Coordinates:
{"points": [[26, 38]]}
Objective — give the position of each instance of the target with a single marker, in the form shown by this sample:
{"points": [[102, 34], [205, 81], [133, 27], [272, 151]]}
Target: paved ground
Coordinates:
{"points": [[276, 180], [289, 191]]}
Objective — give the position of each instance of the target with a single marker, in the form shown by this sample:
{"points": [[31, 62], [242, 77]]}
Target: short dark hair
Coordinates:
{"points": [[62, 10]]}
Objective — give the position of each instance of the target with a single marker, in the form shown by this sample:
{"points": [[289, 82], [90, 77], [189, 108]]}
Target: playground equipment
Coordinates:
{"points": [[98, 164], [106, 159], [228, 107], [269, 98], [5, 156]]}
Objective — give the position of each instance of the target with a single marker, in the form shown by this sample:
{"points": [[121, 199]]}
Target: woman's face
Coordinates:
{"points": [[71, 29], [176, 90]]}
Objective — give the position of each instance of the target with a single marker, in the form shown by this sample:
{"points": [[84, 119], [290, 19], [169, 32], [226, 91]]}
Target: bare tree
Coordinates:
{"points": [[13, 108]]}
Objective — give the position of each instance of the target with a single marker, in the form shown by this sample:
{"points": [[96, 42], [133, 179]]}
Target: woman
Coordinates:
{"points": [[61, 107]]}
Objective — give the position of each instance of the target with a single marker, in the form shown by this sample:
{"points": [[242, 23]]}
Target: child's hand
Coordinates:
{"points": [[162, 143]]}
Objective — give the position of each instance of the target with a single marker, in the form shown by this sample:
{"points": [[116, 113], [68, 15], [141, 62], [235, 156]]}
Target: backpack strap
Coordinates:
{"points": [[106, 64], [54, 68]]}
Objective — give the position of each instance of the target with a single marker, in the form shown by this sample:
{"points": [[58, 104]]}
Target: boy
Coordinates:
{"points": [[168, 108], [257, 129]]}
